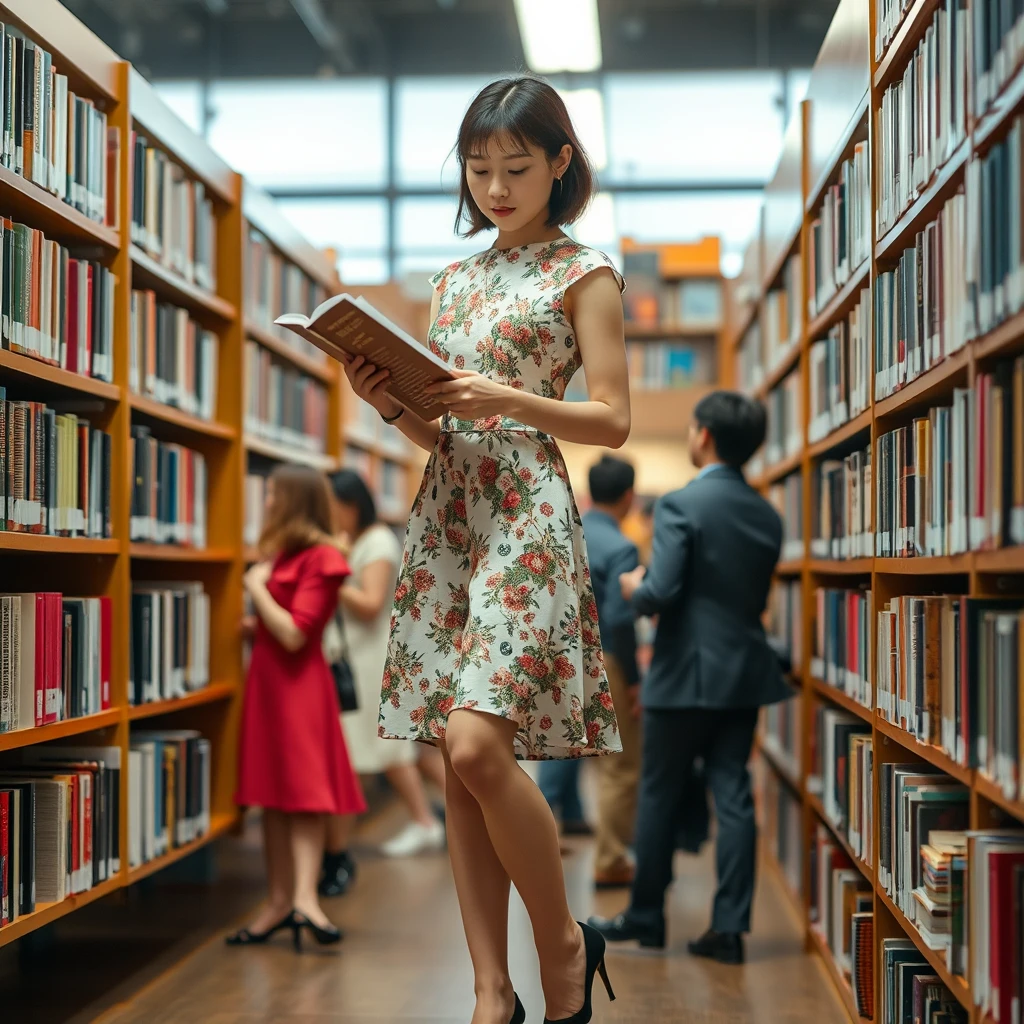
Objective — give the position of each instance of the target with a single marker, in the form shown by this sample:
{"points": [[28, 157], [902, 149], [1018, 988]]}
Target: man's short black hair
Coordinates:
{"points": [[736, 423], [610, 479]]}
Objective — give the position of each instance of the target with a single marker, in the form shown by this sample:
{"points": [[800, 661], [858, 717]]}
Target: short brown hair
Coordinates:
{"points": [[301, 513], [524, 111]]}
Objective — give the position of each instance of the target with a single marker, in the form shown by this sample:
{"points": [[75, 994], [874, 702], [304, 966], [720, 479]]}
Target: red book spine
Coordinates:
{"points": [[76, 841], [85, 782], [106, 646], [5, 868], [71, 319]]}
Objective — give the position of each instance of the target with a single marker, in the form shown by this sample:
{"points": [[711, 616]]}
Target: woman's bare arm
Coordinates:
{"points": [[374, 589]]}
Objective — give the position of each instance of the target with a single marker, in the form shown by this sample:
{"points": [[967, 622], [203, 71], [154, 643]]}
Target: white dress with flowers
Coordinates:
{"points": [[494, 608]]}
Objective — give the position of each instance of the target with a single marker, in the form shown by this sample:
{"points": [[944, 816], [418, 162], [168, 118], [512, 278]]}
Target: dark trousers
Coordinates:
{"points": [[672, 741]]}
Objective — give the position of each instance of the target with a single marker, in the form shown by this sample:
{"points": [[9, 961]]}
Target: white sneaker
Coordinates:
{"points": [[415, 838]]}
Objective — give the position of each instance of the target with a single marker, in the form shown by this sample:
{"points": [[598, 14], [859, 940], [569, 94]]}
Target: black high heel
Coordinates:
{"points": [[594, 945], [519, 1013], [324, 936], [245, 937]]}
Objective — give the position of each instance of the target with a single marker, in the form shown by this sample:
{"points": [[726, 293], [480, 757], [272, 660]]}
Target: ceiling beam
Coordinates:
{"points": [[326, 35]]}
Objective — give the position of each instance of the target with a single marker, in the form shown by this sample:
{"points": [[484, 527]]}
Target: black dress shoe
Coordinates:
{"points": [[622, 929], [338, 874], [577, 827], [725, 947]]}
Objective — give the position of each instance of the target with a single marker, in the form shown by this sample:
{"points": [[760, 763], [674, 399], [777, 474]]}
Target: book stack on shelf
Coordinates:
{"points": [[911, 574]]}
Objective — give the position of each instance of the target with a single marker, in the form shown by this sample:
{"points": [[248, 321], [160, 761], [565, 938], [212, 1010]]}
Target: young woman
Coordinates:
{"points": [[365, 600], [494, 651], [293, 761]]}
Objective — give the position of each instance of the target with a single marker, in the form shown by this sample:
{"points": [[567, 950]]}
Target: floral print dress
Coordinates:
{"points": [[494, 608]]}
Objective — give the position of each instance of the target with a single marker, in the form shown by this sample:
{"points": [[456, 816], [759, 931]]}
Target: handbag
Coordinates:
{"points": [[344, 680]]}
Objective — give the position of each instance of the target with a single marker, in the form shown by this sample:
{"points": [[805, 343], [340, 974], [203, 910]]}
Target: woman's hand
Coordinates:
{"points": [[472, 396], [257, 576], [369, 384]]}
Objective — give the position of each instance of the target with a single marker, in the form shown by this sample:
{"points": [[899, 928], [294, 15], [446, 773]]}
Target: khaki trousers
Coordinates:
{"points": [[619, 776]]}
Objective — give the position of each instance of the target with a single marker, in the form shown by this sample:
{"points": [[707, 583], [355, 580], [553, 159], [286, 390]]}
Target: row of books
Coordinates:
{"points": [[169, 494], [274, 285], [169, 776], [282, 404], [839, 368], [785, 622], [173, 219], [55, 656], [781, 316], [55, 307], [841, 653], [173, 358], [840, 237], [651, 301], [781, 735], [170, 641], [653, 365], [921, 310], [787, 495], [59, 825], [841, 500], [50, 136], [953, 481], [949, 672], [998, 49], [750, 362], [923, 114], [782, 825], [841, 773], [841, 908], [785, 434], [54, 472]]}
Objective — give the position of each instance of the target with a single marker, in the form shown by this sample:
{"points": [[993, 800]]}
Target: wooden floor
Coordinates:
{"points": [[158, 956]]}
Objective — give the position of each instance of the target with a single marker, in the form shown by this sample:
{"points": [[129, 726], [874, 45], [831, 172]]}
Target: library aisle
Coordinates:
{"points": [[133, 968]]}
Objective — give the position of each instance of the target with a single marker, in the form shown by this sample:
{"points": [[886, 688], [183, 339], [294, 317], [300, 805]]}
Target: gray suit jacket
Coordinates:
{"points": [[612, 553], [716, 544]]}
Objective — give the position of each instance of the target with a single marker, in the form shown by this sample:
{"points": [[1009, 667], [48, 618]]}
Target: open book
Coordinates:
{"points": [[344, 326]]}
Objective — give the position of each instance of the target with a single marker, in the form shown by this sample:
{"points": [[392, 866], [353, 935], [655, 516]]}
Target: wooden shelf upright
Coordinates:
{"points": [[842, 102]]}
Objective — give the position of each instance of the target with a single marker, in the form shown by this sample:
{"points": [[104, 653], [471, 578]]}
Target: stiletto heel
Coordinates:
{"points": [[519, 1013], [594, 946], [245, 937], [324, 936]]}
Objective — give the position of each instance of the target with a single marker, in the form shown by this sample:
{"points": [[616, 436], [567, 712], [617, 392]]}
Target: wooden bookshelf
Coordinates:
{"points": [[108, 567], [843, 97]]}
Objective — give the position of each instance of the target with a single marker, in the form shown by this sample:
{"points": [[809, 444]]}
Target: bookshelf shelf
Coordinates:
{"points": [[176, 417], [149, 272], [791, 567], [781, 370], [841, 303], [938, 565], [777, 760], [24, 200], [321, 371], [902, 44], [841, 435], [777, 470], [176, 553], [57, 545], [670, 332], [842, 986], [220, 824], [1001, 112], [1008, 336], [933, 755], [28, 369], [282, 453], [59, 730], [814, 801], [925, 389], [841, 147], [842, 699], [207, 695], [1001, 560], [994, 794], [957, 985], [47, 913], [943, 184], [841, 567]]}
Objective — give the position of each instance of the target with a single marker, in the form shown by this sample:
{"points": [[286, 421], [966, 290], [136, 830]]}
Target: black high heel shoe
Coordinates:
{"points": [[324, 936], [245, 937], [519, 1013], [594, 945]]}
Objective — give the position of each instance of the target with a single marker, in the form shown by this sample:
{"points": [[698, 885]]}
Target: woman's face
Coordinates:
{"points": [[346, 517], [512, 186]]}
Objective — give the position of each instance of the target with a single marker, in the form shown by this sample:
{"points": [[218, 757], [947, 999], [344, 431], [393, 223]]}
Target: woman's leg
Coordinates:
{"points": [[522, 831], [307, 841], [483, 888], [409, 786], [339, 832], [278, 855]]}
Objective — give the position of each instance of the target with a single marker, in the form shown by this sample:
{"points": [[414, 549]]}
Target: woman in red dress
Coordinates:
{"points": [[292, 758]]}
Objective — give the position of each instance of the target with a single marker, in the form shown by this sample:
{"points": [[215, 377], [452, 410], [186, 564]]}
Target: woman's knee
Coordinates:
{"points": [[479, 750]]}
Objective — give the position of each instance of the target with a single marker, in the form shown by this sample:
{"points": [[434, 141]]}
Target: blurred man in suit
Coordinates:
{"points": [[716, 544]]}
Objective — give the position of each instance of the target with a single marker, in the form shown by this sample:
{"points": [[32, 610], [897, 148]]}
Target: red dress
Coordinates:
{"points": [[292, 754]]}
